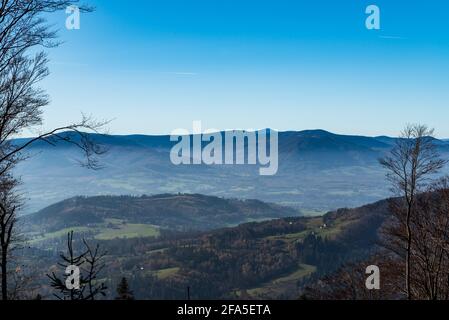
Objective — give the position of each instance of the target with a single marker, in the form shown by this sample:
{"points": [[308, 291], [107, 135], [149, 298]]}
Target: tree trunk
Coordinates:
{"points": [[4, 275], [408, 256]]}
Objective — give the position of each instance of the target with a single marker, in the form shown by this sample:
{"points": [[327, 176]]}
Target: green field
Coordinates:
{"points": [[110, 229], [129, 231], [166, 273], [303, 271], [290, 237], [278, 286], [57, 234], [315, 226]]}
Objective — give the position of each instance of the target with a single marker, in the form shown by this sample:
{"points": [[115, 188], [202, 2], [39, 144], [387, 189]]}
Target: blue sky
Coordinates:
{"points": [[154, 66]]}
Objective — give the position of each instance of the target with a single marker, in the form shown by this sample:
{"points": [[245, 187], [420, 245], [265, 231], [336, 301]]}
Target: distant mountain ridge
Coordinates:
{"points": [[306, 139], [318, 171]]}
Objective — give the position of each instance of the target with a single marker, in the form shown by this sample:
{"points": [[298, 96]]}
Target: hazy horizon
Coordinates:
{"points": [[27, 136]]}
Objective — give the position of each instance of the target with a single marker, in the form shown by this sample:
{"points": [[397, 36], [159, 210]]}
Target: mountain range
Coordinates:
{"points": [[318, 171]]}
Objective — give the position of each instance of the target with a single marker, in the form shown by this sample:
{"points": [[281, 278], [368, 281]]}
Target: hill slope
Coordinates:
{"points": [[263, 260]]}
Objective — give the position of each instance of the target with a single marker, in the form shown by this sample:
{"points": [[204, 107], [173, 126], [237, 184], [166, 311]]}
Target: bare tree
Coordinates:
{"points": [[410, 165], [23, 28], [429, 225], [429, 259], [24, 36]]}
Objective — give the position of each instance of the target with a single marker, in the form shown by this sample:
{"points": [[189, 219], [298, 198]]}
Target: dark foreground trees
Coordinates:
{"points": [[414, 254], [410, 165], [81, 272], [10, 204], [349, 282], [429, 258], [123, 290], [24, 36], [23, 31], [429, 244]]}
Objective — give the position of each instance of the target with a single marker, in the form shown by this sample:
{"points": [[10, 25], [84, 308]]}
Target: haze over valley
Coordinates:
{"points": [[318, 171]]}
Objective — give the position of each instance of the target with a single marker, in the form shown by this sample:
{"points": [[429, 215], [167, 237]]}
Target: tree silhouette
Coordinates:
{"points": [[123, 291], [90, 265], [10, 203], [24, 36], [411, 162]]}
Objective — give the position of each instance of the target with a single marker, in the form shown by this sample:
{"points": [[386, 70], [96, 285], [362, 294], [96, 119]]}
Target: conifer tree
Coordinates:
{"points": [[123, 291]]}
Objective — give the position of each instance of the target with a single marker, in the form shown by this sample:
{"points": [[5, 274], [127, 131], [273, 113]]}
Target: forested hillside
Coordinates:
{"points": [[270, 259], [114, 216]]}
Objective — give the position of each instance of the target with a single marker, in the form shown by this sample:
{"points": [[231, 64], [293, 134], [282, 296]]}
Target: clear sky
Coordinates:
{"points": [[154, 66]]}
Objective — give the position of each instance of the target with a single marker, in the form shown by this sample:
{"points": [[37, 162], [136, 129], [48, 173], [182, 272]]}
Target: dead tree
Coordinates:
{"points": [[410, 164]]}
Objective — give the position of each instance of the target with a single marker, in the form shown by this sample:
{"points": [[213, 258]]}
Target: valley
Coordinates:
{"points": [[270, 259], [220, 240], [318, 171]]}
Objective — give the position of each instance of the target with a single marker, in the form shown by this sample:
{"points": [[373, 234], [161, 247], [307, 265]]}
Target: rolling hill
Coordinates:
{"points": [[109, 215]]}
